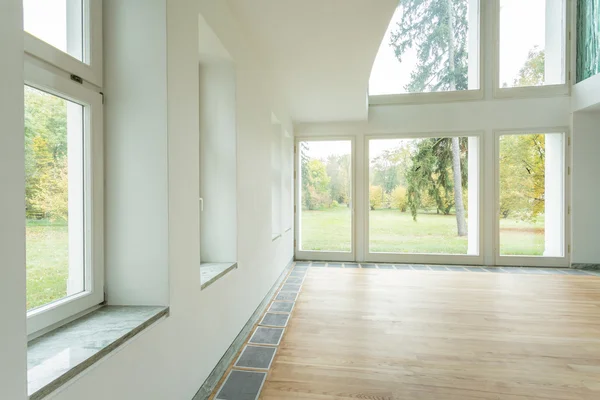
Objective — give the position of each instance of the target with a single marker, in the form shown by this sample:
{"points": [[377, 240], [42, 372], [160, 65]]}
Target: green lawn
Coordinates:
{"points": [[396, 232], [47, 262]]}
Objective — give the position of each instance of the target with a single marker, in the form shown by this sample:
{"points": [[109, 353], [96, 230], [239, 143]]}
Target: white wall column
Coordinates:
{"points": [[473, 201], [554, 195], [555, 42], [13, 346]]}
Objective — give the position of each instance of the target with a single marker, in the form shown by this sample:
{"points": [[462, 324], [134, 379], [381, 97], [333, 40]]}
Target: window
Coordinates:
{"points": [[532, 43], [63, 166], [325, 192], [531, 197], [588, 39], [58, 23], [414, 207], [66, 34], [418, 56]]}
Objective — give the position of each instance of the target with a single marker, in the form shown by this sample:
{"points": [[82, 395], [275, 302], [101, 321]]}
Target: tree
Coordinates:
{"points": [[429, 176], [338, 169], [317, 193], [375, 197], [438, 28], [522, 176], [532, 73]]}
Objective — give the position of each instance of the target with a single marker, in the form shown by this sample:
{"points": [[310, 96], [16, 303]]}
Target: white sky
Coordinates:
{"points": [[47, 20], [522, 27]]}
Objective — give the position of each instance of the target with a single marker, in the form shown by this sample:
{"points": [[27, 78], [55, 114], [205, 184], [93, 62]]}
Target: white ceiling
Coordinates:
{"points": [[321, 51]]}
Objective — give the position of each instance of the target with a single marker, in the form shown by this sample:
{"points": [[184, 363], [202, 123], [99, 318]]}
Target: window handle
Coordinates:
{"points": [[201, 204]]}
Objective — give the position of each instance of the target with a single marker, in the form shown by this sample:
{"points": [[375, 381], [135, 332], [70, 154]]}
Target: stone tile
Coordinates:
{"points": [[301, 268], [302, 264], [476, 269], [577, 272], [334, 265], [403, 267], [295, 280], [286, 296], [454, 268], [496, 270], [276, 320], [369, 266], [300, 274], [420, 267], [514, 270], [290, 287], [438, 268], [264, 335], [256, 357], [351, 265], [242, 385], [281, 306], [386, 266], [318, 264]]}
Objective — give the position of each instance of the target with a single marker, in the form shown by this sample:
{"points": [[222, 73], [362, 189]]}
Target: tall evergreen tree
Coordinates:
{"points": [[438, 30]]}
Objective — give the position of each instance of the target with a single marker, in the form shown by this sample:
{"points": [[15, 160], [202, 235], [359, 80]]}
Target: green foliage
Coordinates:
{"points": [[376, 197], [533, 72], [399, 200], [46, 171], [522, 176], [338, 169], [430, 177], [588, 39], [438, 29], [317, 192]]}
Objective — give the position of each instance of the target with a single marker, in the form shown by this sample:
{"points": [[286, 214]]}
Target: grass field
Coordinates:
{"points": [[392, 231], [47, 262]]}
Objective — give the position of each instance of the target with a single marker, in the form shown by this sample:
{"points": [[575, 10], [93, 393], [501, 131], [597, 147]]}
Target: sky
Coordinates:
{"points": [[522, 27], [47, 20]]}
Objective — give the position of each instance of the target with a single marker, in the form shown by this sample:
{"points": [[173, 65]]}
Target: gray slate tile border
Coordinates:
{"points": [[246, 354], [230, 393], [275, 320]]}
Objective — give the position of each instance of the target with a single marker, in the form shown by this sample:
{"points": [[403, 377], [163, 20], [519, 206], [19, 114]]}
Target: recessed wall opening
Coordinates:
{"points": [[218, 157]]}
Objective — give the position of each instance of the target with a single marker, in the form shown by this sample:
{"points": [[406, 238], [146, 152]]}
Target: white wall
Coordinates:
{"points": [[218, 161], [136, 199], [586, 191], [172, 359], [484, 116], [13, 380]]}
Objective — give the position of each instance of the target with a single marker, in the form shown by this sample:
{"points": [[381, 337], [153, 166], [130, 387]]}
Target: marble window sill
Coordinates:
{"points": [[59, 355], [211, 272]]}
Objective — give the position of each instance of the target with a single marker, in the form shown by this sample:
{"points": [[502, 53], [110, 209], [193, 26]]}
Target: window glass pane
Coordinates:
{"points": [[532, 195], [326, 195], [430, 46], [532, 42], [588, 38], [56, 22], [413, 204], [54, 197]]}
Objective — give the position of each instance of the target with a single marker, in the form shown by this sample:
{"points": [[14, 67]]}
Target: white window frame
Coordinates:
{"points": [[563, 89], [411, 258], [323, 255], [43, 317], [287, 181], [91, 68], [446, 96], [534, 261]]}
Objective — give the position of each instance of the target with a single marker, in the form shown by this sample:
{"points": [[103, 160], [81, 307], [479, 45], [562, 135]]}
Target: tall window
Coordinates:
{"points": [[423, 195], [430, 46], [531, 190], [532, 43], [63, 166]]}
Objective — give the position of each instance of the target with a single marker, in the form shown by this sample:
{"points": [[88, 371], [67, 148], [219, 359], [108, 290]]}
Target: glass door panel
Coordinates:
{"points": [[324, 203], [531, 203], [413, 205]]}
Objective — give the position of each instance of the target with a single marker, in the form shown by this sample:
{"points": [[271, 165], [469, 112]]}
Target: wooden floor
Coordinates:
{"points": [[389, 335]]}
